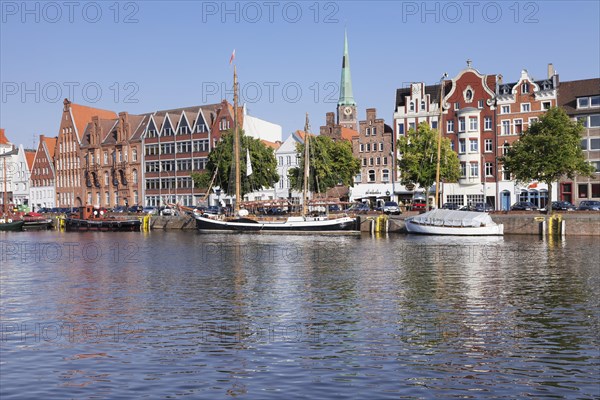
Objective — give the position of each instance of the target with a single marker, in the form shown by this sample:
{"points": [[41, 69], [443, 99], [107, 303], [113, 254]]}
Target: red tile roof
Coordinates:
{"points": [[3, 139], [83, 114], [30, 156], [348, 134], [50, 144], [273, 145]]}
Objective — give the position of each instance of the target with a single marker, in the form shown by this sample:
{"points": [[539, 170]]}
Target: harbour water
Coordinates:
{"points": [[170, 314]]}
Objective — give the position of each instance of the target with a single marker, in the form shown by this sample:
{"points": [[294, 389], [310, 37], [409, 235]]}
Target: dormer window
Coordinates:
{"points": [[525, 87], [505, 89], [469, 95]]}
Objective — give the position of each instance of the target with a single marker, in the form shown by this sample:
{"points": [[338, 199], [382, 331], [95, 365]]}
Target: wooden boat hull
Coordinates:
{"points": [[105, 225], [340, 225], [12, 226], [493, 230]]}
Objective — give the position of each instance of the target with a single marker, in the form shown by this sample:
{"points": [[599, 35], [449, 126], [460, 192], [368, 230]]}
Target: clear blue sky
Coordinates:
{"points": [[150, 55]]}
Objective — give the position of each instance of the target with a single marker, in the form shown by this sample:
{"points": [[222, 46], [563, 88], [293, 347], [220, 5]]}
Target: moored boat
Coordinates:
{"points": [[93, 219], [10, 225], [453, 222], [348, 225]]}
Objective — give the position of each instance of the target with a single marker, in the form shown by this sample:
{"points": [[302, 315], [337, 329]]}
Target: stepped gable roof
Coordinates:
{"points": [[569, 91], [432, 90], [82, 115]]}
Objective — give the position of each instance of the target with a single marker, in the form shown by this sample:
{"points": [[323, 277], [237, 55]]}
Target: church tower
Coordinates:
{"points": [[346, 108]]}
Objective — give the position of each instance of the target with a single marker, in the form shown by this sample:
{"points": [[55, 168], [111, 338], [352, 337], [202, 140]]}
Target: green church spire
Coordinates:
{"points": [[346, 98]]}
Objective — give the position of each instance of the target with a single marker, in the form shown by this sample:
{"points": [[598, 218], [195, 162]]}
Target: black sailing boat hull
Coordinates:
{"points": [[83, 225], [12, 226], [340, 225]]}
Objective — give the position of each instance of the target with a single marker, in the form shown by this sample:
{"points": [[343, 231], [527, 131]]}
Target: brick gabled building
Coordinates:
{"points": [[70, 186], [111, 160], [581, 101], [43, 188], [519, 104], [177, 142]]}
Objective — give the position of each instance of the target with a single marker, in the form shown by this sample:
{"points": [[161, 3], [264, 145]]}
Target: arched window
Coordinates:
{"points": [[134, 176], [422, 105], [106, 181], [412, 106]]}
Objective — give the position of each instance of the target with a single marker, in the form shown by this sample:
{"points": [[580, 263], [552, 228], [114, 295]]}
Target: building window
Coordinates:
{"points": [[505, 175], [506, 127], [452, 145], [532, 121], [473, 123], [505, 149], [473, 145], [594, 121], [364, 162], [546, 105], [596, 164], [381, 146], [461, 124], [582, 189], [480, 104], [525, 107], [134, 176], [368, 146], [385, 175], [487, 123], [371, 175], [525, 87], [594, 144], [518, 126], [463, 169], [505, 110], [595, 190], [371, 161], [489, 169], [422, 105], [450, 126], [489, 146], [106, 179], [358, 178], [367, 132], [374, 131], [106, 198], [411, 125], [474, 169], [385, 161], [434, 124], [462, 146], [583, 102], [584, 143], [361, 148], [378, 161], [412, 106], [401, 128], [457, 106]]}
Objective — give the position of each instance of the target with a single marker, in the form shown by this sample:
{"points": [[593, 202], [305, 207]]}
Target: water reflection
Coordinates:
{"points": [[258, 316]]}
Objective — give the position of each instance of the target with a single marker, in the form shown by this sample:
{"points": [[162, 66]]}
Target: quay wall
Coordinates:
{"points": [[515, 223]]}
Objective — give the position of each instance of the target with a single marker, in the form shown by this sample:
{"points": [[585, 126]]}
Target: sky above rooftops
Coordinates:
{"points": [[141, 56]]}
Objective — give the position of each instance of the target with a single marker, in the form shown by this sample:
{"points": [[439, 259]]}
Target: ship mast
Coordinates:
{"points": [[4, 194], [306, 168], [236, 145], [439, 144]]}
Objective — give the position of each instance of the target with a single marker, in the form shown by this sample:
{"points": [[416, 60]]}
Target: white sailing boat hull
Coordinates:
{"points": [[453, 222], [291, 225], [494, 230]]}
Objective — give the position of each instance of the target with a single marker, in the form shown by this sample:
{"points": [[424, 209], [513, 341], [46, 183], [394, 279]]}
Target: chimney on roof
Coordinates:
{"points": [[371, 114], [551, 71], [330, 119], [500, 79]]}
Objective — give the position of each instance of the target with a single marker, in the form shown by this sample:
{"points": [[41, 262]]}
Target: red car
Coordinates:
{"points": [[419, 205]]}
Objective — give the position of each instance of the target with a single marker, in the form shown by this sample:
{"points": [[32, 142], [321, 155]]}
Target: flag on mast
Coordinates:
{"points": [[232, 57], [248, 163]]}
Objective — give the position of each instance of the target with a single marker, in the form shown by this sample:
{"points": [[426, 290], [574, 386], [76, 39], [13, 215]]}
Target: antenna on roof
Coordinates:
{"points": [[33, 141]]}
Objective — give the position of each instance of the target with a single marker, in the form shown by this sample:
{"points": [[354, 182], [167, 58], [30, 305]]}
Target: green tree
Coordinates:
{"points": [[418, 158], [547, 151], [264, 165], [331, 163]]}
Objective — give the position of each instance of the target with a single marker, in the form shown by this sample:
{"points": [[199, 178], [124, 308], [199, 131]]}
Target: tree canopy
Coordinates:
{"points": [[331, 163], [418, 158], [547, 151], [264, 165]]}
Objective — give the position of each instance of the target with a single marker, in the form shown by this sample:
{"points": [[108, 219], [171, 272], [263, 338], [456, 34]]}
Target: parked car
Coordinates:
{"points": [[119, 209], [589, 205], [150, 210], [166, 211], [419, 205], [359, 208], [450, 206], [563, 205], [391, 207], [523, 206], [483, 207], [136, 209]]}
